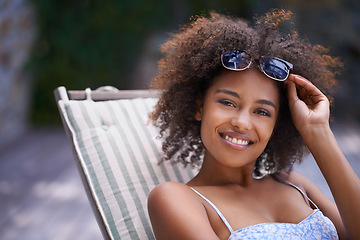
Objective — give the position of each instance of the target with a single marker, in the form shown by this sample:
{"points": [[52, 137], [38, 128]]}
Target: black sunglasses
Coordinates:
{"points": [[273, 67]]}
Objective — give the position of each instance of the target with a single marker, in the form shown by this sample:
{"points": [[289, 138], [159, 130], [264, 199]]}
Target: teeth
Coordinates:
{"points": [[236, 141]]}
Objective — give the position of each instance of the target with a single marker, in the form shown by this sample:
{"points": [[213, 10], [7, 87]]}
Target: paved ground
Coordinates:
{"points": [[41, 194]]}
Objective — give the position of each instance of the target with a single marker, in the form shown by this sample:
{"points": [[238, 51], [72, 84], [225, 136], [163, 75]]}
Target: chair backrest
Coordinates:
{"points": [[117, 152]]}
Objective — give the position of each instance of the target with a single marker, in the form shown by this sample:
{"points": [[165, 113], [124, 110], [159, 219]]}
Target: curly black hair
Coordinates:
{"points": [[192, 60]]}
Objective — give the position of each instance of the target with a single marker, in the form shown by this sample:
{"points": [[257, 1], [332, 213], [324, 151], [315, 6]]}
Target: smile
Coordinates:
{"points": [[236, 141]]}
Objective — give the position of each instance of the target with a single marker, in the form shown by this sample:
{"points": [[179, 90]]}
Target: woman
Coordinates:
{"points": [[231, 105]]}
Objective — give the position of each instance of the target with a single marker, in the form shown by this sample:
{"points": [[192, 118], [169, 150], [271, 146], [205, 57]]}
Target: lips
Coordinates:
{"points": [[236, 140]]}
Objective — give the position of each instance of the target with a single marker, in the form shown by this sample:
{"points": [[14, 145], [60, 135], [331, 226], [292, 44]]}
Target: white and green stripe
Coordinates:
{"points": [[119, 154]]}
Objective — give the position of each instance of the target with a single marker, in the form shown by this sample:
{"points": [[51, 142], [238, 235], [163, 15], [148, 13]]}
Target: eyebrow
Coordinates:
{"points": [[232, 93], [266, 102]]}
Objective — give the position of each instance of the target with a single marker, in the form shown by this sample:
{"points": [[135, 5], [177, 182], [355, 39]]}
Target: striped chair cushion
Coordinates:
{"points": [[119, 153]]}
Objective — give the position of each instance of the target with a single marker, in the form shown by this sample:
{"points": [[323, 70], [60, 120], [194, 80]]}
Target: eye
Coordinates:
{"points": [[226, 102], [263, 112]]}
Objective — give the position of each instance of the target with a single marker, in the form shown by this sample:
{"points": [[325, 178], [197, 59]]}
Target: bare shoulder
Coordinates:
{"points": [[299, 180], [174, 210], [169, 188], [309, 187], [327, 206], [168, 194]]}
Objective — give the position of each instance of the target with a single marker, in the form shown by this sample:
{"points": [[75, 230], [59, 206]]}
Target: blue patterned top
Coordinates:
{"points": [[316, 226]]}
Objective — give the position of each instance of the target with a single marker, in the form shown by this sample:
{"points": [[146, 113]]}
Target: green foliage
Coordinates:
{"points": [[90, 43]]}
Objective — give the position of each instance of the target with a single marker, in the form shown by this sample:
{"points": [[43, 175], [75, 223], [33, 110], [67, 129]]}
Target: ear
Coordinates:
{"points": [[199, 109]]}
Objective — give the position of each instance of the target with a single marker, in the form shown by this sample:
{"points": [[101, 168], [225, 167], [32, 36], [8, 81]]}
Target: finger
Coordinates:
{"points": [[310, 88], [298, 93], [292, 93], [303, 94], [309, 93]]}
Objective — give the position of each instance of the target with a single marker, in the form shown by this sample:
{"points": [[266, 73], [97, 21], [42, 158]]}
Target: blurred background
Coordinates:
{"points": [[90, 43]]}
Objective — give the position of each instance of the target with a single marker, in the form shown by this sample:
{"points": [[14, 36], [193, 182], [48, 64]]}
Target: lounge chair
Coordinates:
{"points": [[117, 152]]}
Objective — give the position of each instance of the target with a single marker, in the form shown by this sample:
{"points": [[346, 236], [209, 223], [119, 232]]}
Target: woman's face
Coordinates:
{"points": [[238, 115]]}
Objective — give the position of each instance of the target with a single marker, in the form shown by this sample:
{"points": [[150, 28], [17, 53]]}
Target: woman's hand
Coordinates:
{"points": [[309, 107]]}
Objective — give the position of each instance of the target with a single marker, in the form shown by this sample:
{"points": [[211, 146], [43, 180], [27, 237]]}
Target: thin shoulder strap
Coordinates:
{"points": [[297, 188], [217, 211]]}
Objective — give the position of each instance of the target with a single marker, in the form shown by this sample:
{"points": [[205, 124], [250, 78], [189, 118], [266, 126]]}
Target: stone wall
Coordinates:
{"points": [[17, 34]]}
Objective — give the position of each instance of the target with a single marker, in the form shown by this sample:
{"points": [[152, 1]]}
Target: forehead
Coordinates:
{"points": [[249, 83]]}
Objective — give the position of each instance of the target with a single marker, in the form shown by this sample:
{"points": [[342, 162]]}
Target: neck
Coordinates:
{"points": [[213, 173]]}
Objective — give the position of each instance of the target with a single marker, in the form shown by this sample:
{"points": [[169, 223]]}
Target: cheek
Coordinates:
{"points": [[209, 125], [205, 135], [267, 130]]}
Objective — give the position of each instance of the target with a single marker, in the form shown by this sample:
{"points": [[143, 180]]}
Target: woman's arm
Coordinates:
{"points": [[176, 214], [310, 112]]}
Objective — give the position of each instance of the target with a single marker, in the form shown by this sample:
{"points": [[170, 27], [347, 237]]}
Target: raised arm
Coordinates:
{"points": [[310, 113]]}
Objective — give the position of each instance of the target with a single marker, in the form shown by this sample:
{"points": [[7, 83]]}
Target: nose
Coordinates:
{"points": [[242, 120]]}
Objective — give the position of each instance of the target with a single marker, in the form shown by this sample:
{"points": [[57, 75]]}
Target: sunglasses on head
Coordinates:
{"points": [[273, 67]]}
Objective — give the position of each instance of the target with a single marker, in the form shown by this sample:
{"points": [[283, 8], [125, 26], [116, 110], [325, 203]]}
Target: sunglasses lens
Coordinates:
{"points": [[275, 68], [235, 59]]}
